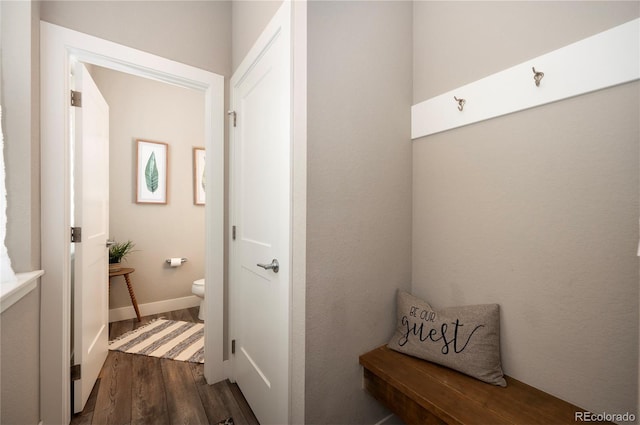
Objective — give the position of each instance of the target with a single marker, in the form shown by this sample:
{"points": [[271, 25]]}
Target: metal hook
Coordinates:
{"points": [[461, 103], [537, 76]]}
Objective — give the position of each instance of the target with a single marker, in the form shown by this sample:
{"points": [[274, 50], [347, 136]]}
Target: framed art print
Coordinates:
{"points": [[199, 176], [151, 179]]}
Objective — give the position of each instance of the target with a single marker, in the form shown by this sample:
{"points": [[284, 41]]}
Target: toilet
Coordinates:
{"points": [[198, 289]]}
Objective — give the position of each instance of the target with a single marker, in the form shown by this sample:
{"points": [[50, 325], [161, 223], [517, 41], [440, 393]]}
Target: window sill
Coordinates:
{"points": [[10, 293]]}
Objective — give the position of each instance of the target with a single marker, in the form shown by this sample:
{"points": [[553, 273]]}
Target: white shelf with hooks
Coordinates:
{"points": [[603, 60]]}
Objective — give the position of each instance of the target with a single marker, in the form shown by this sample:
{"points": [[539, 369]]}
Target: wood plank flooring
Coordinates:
{"points": [[139, 390]]}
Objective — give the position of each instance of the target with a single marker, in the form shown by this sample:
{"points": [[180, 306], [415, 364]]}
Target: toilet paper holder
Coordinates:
{"points": [[182, 260]]}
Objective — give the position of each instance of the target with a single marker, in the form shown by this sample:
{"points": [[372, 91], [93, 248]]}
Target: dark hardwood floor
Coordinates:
{"points": [[139, 390]]}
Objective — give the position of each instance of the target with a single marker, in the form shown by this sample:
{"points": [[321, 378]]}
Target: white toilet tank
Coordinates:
{"points": [[198, 289]]}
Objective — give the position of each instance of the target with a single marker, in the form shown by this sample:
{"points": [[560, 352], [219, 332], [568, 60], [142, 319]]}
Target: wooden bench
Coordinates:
{"points": [[420, 392]]}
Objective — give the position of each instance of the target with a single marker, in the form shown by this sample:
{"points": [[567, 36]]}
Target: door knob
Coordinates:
{"points": [[110, 242], [275, 266]]}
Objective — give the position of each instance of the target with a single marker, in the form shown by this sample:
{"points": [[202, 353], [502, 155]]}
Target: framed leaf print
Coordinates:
{"points": [[199, 176], [151, 179]]}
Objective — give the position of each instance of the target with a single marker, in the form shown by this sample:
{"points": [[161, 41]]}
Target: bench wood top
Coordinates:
{"points": [[419, 391]]}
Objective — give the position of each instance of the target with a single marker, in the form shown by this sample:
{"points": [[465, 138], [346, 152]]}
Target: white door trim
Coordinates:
{"points": [[57, 46], [298, 295]]}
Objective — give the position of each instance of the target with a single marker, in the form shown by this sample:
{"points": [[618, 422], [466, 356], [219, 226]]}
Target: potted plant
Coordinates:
{"points": [[117, 252]]}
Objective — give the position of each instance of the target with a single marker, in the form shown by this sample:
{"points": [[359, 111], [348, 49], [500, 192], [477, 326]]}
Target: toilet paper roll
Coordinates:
{"points": [[176, 262]]}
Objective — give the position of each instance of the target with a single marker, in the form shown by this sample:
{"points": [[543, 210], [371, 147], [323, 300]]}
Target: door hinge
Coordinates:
{"points": [[233, 232], [233, 346], [76, 372], [76, 99], [76, 234], [234, 115]]}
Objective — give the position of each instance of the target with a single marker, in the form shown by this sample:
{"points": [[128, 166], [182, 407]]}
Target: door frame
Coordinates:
{"points": [[58, 46]]}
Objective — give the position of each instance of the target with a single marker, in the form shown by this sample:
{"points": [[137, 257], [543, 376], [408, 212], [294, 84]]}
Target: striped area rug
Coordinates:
{"points": [[167, 339]]}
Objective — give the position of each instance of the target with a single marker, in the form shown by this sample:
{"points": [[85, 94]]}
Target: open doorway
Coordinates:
{"points": [[137, 111], [58, 47], [145, 110]]}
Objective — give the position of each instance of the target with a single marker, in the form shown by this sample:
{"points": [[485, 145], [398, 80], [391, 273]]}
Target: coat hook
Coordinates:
{"points": [[537, 76], [461, 103]]}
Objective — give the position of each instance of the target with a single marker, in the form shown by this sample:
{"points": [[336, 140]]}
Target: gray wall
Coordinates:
{"points": [[456, 43], [538, 210], [140, 108], [546, 190], [249, 19], [19, 325], [197, 33], [358, 196], [19, 361]]}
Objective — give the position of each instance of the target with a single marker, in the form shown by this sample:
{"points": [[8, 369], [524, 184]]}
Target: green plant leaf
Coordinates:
{"points": [[119, 250], [151, 173], [203, 180]]}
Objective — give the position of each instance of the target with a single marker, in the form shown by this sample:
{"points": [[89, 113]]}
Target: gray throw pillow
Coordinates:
{"points": [[466, 339]]}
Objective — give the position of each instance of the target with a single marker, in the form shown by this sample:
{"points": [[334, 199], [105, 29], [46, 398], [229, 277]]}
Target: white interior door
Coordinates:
{"points": [[260, 97], [91, 214]]}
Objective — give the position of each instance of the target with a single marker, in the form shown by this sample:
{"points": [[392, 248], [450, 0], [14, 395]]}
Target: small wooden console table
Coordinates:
{"points": [[126, 271]]}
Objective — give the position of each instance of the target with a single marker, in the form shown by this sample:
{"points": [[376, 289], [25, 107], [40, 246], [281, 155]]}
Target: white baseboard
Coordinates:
{"points": [[124, 313], [228, 370], [384, 420]]}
